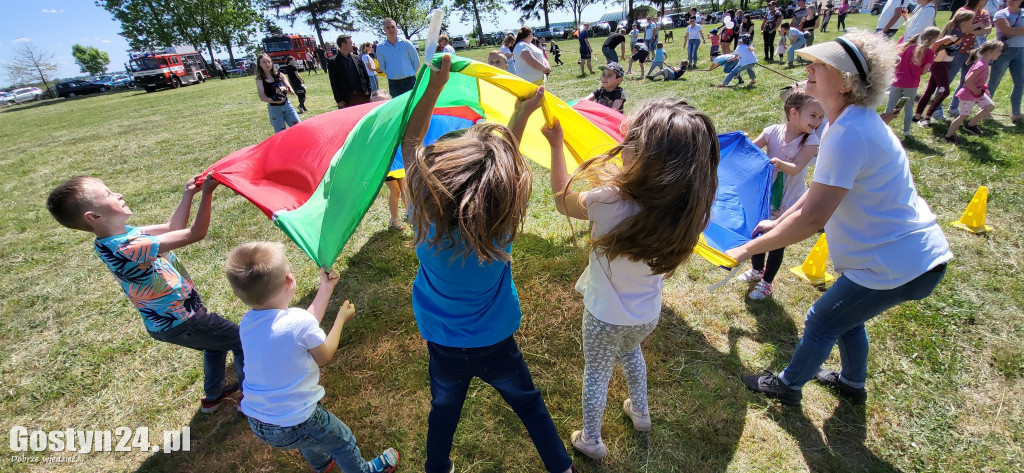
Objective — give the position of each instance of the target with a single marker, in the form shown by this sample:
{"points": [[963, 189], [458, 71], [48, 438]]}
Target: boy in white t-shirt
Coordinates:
{"points": [[282, 390]]}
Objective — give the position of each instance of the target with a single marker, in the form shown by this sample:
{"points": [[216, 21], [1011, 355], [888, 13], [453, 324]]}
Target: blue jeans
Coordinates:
{"points": [[320, 438], [736, 71], [839, 315], [215, 336], [398, 87], [282, 116], [609, 54], [792, 49], [957, 66], [502, 366], [1012, 59], [692, 51], [373, 83]]}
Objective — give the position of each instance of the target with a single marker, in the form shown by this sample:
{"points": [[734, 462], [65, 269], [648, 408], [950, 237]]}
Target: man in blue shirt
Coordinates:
{"points": [[585, 48], [398, 60]]}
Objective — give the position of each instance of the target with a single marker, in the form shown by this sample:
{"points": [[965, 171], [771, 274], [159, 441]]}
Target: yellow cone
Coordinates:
{"points": [[973, 219], [813, 269]]}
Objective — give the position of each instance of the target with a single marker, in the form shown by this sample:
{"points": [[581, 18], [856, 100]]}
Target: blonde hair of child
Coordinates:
{"points": [[257, 271], [983, 49], [673, 179], [921, 42], [473, 189], [958, 18]]}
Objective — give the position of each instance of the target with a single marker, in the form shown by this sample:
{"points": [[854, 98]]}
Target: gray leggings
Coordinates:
{"points": [[908, 110], [602, 343]]}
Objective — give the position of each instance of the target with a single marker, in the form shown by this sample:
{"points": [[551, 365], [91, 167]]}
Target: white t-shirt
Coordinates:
{"points": [[448, 49], [523, 69], [511, 59], [693, 32], [746, 55], [794, 185], [620, 292], [922, 18], [367, 63], [882, 235], [282, 381], [887, 12]]}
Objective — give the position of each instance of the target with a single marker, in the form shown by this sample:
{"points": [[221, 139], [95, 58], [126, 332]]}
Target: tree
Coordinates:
{"points": [[92, 60], [30, 64], [320, 14], [532, 9], [577, 6], [409, 15], [471, 9]]}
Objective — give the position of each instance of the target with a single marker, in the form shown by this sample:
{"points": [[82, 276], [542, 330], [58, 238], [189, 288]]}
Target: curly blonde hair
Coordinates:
{"points": [[881, 58]]}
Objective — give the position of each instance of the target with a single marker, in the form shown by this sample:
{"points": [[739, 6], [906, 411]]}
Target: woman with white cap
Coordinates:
{"points": [[881, 234]]}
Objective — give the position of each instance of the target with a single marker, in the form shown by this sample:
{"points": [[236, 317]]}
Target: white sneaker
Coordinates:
{"points": [[761, 291], [593, 448], [641, 421], [751, 275]]}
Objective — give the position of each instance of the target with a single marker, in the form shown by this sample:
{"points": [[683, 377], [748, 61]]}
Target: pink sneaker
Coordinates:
{"points": [[750, 275], [761, 291]]}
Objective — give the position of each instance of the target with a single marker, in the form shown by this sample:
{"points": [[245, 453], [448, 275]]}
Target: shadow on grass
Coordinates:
{"points": [[839, 445]]}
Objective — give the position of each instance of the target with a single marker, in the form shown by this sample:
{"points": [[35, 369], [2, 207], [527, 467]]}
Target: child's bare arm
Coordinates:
{"points": [[567, 203], [419, 121], [322, 354], [175, 239], [328, 280], [761, 141], [523, 110], [590, 97], [807, 153], [617, 104], [178, 219]]}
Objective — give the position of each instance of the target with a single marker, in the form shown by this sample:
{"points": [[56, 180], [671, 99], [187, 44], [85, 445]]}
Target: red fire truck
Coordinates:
{"points": [[282, 46], [174, 67]]}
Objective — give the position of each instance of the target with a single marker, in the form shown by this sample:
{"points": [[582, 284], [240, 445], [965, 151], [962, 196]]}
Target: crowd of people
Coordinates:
{"points": [[647, 202]]}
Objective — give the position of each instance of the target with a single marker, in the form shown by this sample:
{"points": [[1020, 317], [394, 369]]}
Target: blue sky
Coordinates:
{"points": [[55, 25]]}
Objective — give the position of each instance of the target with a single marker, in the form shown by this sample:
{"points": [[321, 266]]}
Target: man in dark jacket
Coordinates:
{"points": [[349, 80]]}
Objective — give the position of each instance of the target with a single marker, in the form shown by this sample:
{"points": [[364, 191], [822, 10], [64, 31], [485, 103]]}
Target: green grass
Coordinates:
{"points": [[945, 373]]}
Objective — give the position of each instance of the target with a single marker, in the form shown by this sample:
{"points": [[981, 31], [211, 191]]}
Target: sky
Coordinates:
{"points": [[54, 25]]}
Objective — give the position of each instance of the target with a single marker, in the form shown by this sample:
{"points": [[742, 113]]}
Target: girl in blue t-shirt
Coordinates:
{"points": [[469, 192], [647, 216]]}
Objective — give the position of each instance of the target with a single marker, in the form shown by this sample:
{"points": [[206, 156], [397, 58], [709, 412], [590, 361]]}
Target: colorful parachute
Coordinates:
{"points": [[316, 180]]}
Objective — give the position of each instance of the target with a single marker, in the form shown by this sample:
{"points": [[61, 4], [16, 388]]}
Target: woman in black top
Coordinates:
{"points": [[747, 28], [810, 23], [273, 88]]}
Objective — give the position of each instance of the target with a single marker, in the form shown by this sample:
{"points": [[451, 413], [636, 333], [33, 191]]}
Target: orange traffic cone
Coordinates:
{"points": [[813, 269], [973, 219]]}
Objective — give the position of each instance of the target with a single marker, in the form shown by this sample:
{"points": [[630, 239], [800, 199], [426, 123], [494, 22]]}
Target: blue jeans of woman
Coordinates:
{"points": [[502, 366], [320, 439], [738, 69], [839, 315], [215, 336], [792, 49], [957, 66], [1012, 59], [692, 51], [282, 116]]}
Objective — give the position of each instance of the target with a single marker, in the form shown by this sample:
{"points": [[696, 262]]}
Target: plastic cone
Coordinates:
{"points": [[973, 219], [813, 269]]}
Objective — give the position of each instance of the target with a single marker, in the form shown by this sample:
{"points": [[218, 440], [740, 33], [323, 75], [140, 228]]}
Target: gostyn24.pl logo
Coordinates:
{"points": [[121, 439]]}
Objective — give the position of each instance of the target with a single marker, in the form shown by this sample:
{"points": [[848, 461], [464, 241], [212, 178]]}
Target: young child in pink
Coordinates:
{"points": [[915, 58], [975, 90]]}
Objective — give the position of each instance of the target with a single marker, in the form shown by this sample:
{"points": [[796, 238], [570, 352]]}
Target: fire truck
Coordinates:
{"points": [[173, 67], [281, 46]]}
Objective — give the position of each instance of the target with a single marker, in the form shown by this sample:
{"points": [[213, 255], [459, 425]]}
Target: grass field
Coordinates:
{"points": [[945, 378]]}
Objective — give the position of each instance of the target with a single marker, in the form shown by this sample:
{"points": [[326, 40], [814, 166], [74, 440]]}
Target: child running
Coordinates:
{"points": [[151, 276], [287, 348], [610, 94], [791, 147], [938, 81], [469, 192], [659, 59], [975, 90], [647, 216], [915, 56]]}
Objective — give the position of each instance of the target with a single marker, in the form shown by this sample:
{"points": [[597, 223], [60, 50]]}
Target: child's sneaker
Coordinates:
{"points": [[761, 291], [593, 448], [386, 462], [209, 406], [641, 421], [751, 275], [973, 129]]}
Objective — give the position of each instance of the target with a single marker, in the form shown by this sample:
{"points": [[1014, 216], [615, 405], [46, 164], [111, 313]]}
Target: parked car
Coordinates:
{"points": [[460, 42], [758, 14], [116, 81], [600, 28], [26, 94], [542, 33], [558, 33], [74, 88], [6, 98], [241, 67], [666, 23]]}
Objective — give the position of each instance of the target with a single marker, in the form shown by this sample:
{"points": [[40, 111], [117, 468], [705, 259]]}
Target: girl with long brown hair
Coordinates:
{"points": [[469, 192], [273, 88], [647, 215]]}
